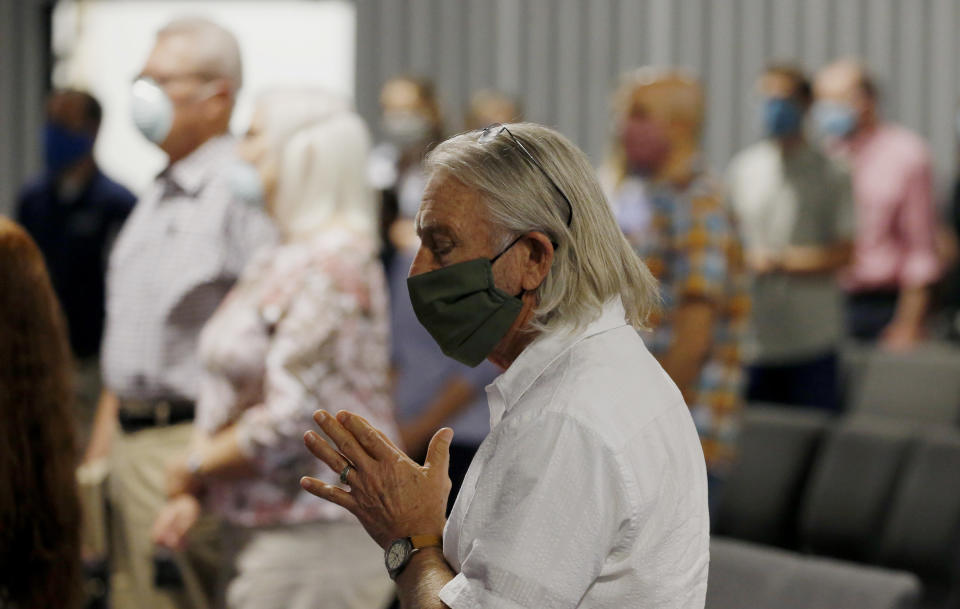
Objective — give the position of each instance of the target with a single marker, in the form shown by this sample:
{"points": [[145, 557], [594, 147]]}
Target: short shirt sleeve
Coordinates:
{"points": [[917, 226], [703, 244], [553, 519]]}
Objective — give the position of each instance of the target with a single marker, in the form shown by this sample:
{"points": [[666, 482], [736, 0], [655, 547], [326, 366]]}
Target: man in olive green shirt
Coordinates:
{"points": [[794, 211]]}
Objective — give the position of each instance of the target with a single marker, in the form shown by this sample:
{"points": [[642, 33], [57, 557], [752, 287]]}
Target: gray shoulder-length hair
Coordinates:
{"points": [[593, 262]]}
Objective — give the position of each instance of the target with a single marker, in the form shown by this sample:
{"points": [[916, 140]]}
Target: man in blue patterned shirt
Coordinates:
{"points": [[673, 213]]}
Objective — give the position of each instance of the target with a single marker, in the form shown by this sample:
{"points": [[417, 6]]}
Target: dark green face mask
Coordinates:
{"points": [[462, 309]]}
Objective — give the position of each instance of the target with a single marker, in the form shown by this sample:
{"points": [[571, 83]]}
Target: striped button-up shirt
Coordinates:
{"points": [[177, 256]]}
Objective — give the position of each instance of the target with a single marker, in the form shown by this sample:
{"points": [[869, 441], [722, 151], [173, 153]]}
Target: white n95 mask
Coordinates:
{"points": [[246, 183], [406, 129], [151, 109]]}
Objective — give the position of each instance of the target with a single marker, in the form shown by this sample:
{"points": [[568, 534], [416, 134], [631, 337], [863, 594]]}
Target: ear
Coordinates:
{"points": [[538, 261], [219, 102]]}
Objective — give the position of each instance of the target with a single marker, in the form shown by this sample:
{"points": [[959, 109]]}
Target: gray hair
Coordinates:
{"points": [[593, 261], [216, 50], [321, 147]]}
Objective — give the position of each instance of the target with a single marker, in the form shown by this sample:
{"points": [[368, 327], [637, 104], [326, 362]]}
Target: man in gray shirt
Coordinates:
{"points": [[178, 255], [794, 211]]}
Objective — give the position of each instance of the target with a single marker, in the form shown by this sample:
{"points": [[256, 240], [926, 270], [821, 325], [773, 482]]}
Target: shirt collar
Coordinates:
{"points": [[859, 141], [533, 361], [190, 173]]}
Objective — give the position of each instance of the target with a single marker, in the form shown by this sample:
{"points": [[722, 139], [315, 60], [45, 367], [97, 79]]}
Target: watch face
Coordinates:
{"points": [[398, 553]]}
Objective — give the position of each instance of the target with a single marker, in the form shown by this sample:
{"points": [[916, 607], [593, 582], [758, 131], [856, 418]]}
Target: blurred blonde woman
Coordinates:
{"points": [[305, 328]]}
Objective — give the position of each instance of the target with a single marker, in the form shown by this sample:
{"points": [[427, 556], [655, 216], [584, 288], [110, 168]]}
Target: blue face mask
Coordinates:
{"points": [[63, 148], [245, 183], [781, 117], [835, 120]]}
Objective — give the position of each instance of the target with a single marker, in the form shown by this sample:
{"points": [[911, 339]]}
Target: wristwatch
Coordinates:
{"points": [[400, 551]]}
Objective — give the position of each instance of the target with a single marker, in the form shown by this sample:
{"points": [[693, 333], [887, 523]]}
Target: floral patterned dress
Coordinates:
{"points": [[305, 328]]}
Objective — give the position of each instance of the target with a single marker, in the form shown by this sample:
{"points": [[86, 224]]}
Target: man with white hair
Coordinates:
{"points": [[179, 253], [590, 490]]}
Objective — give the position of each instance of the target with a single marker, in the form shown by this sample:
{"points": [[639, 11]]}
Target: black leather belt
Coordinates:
{"points": [[135, 415]]}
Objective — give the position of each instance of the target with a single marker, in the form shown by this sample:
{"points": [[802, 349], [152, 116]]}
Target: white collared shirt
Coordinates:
{"points": [[590, 490]]}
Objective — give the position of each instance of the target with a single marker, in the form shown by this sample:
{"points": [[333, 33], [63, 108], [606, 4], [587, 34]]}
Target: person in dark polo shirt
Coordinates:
{"points": [[73, 212]]}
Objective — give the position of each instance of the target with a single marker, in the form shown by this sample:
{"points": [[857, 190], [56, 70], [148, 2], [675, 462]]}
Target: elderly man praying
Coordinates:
{"points": [[590, 490]]}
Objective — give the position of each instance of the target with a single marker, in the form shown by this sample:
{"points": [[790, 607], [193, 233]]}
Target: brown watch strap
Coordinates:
{"points": [[426, 541]]}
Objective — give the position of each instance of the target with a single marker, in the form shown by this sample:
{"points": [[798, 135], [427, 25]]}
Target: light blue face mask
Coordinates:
{"points": [[151, 109], [834, 119], [245, 183]]}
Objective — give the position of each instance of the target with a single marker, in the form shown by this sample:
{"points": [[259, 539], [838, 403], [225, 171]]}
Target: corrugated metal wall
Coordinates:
{"points": [[24, 63], [561, 57]]}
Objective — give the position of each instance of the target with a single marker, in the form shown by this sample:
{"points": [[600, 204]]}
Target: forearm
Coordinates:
{"points": [[682, 363], [804, 260], [692, 338], [911, 306], [104, 427], [453, 398], [448, 403], [221, 456], [217, 456], [418, 586]]}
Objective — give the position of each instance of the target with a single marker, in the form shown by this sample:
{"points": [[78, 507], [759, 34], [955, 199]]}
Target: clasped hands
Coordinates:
{"points": [[390, 494], [182, 509]]}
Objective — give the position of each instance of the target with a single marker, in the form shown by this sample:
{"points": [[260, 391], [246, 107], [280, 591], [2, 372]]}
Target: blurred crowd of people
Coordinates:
{"points": [[262, 278]]}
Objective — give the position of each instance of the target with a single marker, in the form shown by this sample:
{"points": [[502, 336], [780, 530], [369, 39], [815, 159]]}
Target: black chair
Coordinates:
{"points": [[853, 480], [759, 499], [921, 385], [746, 576], [922, 534]]}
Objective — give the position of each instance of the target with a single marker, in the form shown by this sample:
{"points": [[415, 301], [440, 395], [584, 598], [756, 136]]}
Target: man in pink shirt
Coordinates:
{"points": [[895, 260]]}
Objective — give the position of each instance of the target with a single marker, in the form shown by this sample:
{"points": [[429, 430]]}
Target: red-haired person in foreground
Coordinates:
{"points": [[39, 508]]}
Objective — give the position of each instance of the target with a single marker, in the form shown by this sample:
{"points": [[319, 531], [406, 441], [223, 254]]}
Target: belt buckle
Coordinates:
{"points": [[136, 408], [161, 413]]}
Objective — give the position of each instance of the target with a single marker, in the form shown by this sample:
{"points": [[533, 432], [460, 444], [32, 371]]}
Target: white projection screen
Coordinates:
{"points": [[100, 46]]}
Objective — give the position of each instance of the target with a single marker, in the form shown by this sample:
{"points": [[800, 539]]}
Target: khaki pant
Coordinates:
{"points": [[86, 384], [91, 486], [136, 490], [333, 565], [91, 478]]}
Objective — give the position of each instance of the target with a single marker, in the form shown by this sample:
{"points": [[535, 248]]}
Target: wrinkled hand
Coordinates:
{"points": [[179, 480], [174, 521], [389, 493]]}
